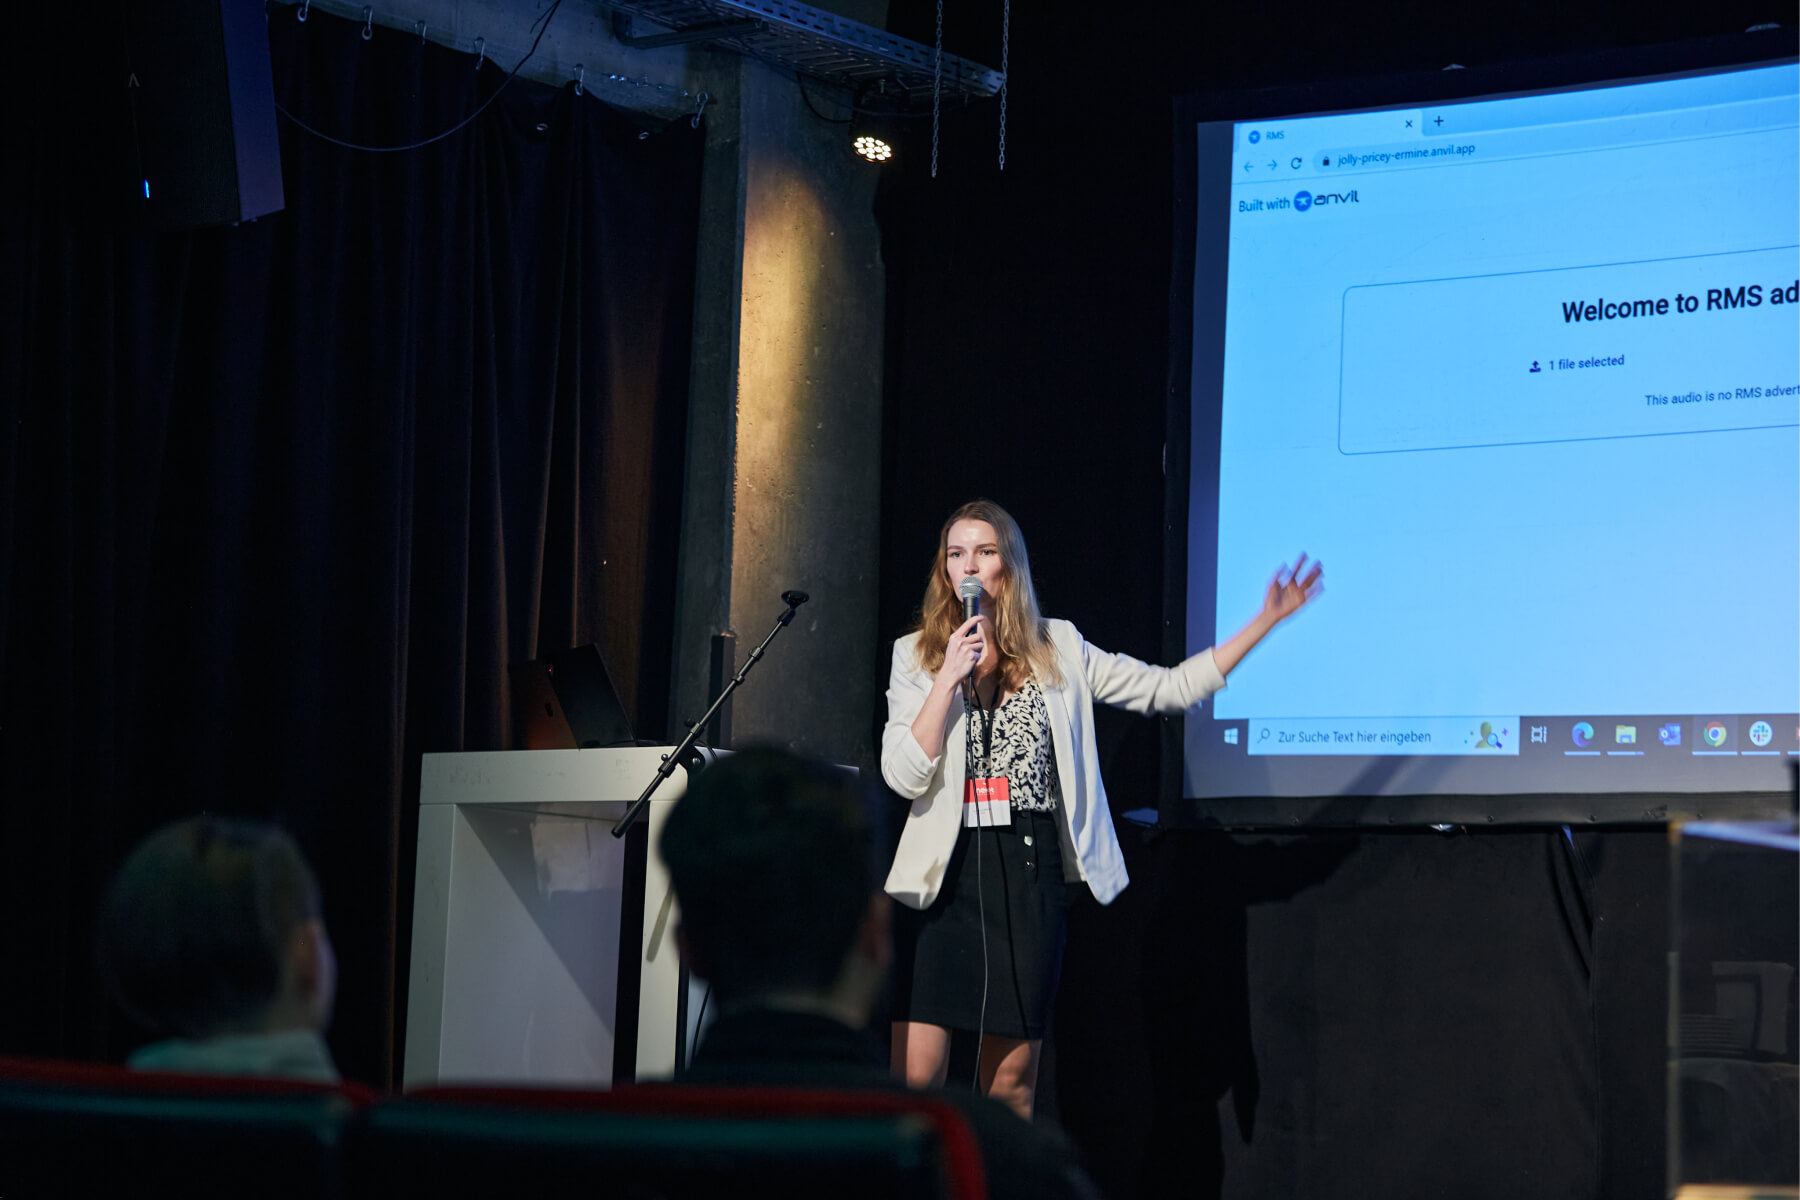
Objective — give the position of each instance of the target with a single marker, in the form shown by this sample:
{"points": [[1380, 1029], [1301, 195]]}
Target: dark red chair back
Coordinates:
{"points": [[666, 1141], [71, 1129]]}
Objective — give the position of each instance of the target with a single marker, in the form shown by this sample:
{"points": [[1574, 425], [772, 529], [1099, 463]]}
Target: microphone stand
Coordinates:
{"points": [[793, 600]]}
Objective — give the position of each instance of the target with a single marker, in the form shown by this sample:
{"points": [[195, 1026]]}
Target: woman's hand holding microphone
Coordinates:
{"points": [[962, 653]]}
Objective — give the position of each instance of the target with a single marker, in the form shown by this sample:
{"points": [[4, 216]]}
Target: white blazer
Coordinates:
{"points": [[935, 785]]}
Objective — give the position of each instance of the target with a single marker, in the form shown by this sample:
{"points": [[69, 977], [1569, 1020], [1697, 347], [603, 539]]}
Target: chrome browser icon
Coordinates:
{"points": [[1714, 734]]}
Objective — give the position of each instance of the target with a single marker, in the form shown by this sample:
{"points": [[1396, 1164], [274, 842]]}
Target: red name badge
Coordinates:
{"points": [[987, 802]]}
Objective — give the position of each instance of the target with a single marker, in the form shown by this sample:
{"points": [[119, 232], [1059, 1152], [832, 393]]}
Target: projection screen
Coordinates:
{"points": [[1523, 370]]}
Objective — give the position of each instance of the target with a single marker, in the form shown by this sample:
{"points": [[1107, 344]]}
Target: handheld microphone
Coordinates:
{"points": [[970, 591]]}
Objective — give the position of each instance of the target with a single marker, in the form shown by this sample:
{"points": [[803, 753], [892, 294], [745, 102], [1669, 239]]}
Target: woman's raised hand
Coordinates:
{"points": [[1288, 593], [962, 652], [1289, 590]]}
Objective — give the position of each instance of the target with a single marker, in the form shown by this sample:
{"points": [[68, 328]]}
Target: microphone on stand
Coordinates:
{"points": [[793, 600], [970, 591], [681, 757]]}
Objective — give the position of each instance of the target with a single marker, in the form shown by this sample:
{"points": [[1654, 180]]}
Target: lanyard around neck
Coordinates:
{"points": [[987, 712]]}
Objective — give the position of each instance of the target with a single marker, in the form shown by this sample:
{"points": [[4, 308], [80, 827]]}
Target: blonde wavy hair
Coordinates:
{"points": [[1020, 633]]}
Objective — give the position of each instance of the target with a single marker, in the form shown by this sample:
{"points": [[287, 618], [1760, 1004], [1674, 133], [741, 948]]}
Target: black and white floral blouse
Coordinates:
{"points": [[1019, 749]]}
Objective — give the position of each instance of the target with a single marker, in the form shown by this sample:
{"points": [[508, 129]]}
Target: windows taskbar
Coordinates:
{"points": [[1704, 735]]}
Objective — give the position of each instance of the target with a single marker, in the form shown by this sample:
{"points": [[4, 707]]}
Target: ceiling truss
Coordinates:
{"points": [[801, 38]]}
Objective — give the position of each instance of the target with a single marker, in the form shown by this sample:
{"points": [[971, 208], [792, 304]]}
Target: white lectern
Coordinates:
{"points": [[543, 947]]}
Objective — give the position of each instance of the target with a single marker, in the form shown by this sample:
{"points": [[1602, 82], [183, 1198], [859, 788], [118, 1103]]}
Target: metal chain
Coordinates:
{"points": [[1005, 71], [937, 86]]}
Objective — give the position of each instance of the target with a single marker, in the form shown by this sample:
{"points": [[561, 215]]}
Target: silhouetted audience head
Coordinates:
{"points": [[212, 927], [776, 861]]}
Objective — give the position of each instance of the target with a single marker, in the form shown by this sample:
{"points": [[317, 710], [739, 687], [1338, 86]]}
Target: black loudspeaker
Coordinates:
{"points": [[202, 111]]}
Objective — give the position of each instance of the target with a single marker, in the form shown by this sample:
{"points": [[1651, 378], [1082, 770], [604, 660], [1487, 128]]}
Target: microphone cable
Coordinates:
{"points": [[971, 598], [987, 751], [980, 894]]}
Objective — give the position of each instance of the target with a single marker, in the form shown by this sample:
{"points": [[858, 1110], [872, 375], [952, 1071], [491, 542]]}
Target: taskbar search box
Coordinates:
{"points": [[1384, 735]]}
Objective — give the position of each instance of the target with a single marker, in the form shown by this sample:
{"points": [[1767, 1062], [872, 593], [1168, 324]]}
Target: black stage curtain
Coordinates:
{"points": [[282, 502]]}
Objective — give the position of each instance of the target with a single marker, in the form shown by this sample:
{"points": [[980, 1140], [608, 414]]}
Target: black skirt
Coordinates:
{"points": [[1021, 904]]}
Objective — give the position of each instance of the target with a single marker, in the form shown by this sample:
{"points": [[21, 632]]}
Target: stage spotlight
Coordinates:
{"points": [[872, 147], [875, 122]]}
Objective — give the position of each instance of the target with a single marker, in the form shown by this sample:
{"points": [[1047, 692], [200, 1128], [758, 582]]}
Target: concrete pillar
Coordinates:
{"points": [[703, 584], [797, 437]]}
